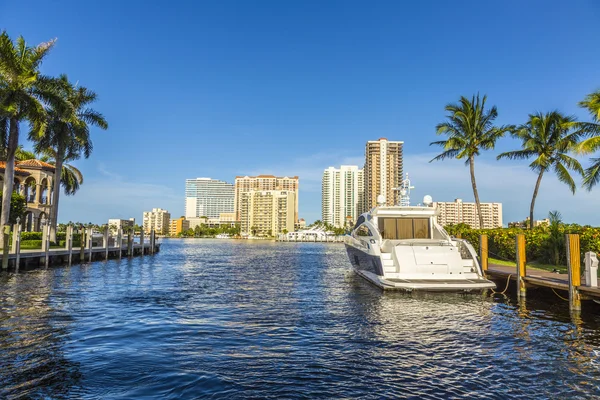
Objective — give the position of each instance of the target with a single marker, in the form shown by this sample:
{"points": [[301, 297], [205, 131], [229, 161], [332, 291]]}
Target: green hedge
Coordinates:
{"points": [[31, 236], [541, 244]]}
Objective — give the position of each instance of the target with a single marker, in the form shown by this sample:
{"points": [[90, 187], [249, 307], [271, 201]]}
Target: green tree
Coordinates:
{"points": [[548, 137], [555, 244], [67, 138], [470, 129], [17, 207], [23, 93], [592, 144]]}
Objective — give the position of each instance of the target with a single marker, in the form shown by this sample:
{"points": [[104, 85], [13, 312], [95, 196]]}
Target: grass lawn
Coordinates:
{"points": [[533, 265]]}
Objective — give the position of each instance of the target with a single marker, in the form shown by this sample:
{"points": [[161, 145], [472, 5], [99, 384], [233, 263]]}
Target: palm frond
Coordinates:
{"points": [[563, 175], [592, 174]]}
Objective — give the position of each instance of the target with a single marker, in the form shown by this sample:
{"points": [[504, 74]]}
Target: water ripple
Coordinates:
{"points": [[232, 319]]}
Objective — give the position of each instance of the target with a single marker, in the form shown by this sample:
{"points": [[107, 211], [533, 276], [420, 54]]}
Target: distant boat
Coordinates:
{"points": [[223, 236]]}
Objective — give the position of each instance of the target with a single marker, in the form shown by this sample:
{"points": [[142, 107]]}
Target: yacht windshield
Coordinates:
{"points": [[404, 228]]}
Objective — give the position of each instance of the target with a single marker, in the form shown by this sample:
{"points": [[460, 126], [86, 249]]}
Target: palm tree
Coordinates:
{"points": [[23, 91], [470, 129], [548, 137], [590, 145], [68, 138]]}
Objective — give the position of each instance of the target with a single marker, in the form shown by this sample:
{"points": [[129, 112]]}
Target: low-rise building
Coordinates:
{"points": [[157, 219], [525, 223], [33, 179], [458, 212], [114, 224], [176, 226]]}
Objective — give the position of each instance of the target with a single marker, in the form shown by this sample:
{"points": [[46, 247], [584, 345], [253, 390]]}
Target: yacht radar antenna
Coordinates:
{"points": [[404, 189]]}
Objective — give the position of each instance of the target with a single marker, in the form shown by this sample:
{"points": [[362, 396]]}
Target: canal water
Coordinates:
{"points": [[237, 319]]}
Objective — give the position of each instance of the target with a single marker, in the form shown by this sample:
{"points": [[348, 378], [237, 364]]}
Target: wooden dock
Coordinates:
{"points": [[541, 278], [110, 247], [528, 278]]}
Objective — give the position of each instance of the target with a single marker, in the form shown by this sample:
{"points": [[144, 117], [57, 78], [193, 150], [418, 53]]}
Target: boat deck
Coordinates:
{"points": [[430, 285]]}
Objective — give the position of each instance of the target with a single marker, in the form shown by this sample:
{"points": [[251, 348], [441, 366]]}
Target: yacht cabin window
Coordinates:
{"points": [[404, 228], [361, 219], [363, 231]]}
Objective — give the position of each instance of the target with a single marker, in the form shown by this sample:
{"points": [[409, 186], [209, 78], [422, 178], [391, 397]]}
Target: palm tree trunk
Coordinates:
{"points": [[477, 203], [55, 194], [9, 174], [535, 192]]}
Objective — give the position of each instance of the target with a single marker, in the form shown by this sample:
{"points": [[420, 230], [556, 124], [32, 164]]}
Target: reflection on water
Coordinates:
{"points": [[239, 319]]}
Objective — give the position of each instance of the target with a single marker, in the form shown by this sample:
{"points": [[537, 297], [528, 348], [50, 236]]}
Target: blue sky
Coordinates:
{"points": [[218, 89]]}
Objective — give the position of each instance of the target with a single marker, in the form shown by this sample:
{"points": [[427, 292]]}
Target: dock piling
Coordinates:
{"points": [[521, 269], [574, 267], [46, 245], [483, 252], [129, 244], [105, 240], [90, 243], [17, 237], [69, 238], [142, 240], [82, 251], [152, 240], [6, 233], [120, 242]]}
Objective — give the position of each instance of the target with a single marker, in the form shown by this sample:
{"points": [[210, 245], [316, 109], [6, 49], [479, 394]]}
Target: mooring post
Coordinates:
{"points": [[106, 243], [129, 244], [6, 232], [521, 269], [483, 252], [46, 239], [69, 238], [90, 239], [152, 240], [574, 267], [17, 235], [82, 252], [120, 242], [142, 240]]}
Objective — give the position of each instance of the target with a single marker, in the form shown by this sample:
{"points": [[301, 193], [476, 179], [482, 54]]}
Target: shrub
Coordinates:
{"points": [[31, 236]]}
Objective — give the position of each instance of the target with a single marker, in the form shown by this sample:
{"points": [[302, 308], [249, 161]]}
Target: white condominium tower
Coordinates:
{"points": [[206, 197], [157, 219], [382, 171], [342, 195], [456, 212], [263, 183]]}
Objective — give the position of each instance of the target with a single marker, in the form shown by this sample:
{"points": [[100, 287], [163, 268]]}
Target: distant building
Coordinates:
{"points": [[206, 197], [267, 212], [264, 183], [525, 223], [457, 212], [300, 225], [114, 224], [342, 195], [157, 219], [382, 172], [176, 226]]}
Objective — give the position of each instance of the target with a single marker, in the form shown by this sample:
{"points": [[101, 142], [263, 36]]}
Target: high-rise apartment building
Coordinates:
{"points": [[264, 183], [382, 171], [206, 197], [342, 195], [267, 212], [457, 212], [157, 219]]}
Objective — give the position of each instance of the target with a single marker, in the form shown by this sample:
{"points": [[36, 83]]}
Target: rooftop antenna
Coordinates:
{"points": [[404, 189]]}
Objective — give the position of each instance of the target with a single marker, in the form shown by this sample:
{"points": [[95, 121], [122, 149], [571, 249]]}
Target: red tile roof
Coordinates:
{"points": [[35, 164], [18, 171]]}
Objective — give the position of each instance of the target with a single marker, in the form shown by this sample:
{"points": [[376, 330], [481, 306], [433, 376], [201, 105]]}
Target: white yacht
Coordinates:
{"points": [[403, 247]]}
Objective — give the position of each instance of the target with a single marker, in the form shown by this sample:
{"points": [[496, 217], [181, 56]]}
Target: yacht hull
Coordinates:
{"points": [[427, 285], [363, 261]]}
